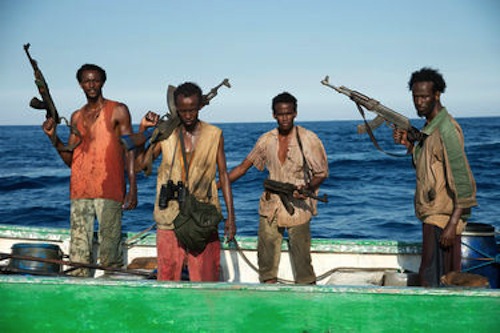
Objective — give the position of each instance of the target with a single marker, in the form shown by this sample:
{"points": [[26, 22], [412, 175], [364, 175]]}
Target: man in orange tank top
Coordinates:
{"points": [[98, 166]]}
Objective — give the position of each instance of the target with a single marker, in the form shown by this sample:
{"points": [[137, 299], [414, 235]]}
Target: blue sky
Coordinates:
{"points": [[263, 47]]}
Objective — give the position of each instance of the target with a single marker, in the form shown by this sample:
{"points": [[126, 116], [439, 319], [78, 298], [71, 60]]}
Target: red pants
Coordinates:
{"points": [[203, 266]]}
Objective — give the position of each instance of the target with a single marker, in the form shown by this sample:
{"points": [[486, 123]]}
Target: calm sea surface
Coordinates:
{"points": [[370, 194]]}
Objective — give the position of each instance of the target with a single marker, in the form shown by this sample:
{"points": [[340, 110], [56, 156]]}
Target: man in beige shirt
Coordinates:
{"points": [[291, 154]]}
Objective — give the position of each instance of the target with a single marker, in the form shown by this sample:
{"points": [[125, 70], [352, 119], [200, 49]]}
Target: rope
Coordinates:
{"points": [[319, 277], [128, 243]]}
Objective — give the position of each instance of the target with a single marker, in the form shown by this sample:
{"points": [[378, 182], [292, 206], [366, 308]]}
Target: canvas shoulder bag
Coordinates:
{"points": [[196, 221]]}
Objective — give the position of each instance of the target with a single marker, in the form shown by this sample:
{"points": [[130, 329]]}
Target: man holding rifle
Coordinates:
{"points": [[190, 158], [98, 165], [292, 154], [445, 187]]}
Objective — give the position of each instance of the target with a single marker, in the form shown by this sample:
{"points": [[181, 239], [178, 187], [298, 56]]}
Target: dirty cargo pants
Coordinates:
{"points": [[270, 237], [83, 215]]}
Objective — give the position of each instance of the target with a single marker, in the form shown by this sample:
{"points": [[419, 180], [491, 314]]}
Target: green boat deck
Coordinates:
{"points": [[43, 304], [63, 304]]}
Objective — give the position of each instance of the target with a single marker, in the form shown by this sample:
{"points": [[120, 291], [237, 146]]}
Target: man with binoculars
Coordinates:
{"points": [[202, 145]]}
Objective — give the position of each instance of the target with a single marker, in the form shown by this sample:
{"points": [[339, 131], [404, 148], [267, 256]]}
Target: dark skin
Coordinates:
{"points": [[285, 114], [188, 108], [91, 85], [428, 104]]}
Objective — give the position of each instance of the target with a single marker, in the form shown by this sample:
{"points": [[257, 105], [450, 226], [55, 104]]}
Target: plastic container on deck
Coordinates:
{"points": [[40, 250], [479, 252]]}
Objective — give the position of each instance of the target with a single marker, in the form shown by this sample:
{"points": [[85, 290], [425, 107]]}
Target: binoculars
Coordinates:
{"points": [[170, 191]]}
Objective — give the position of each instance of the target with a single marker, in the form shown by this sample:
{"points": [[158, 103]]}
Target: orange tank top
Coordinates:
{"points": [[97, 169]]}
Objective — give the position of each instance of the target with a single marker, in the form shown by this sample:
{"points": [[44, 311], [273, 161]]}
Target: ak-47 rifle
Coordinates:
{"points": [[168, 122], [285, 192], [384, 114], [47, 103], [165, 126]]}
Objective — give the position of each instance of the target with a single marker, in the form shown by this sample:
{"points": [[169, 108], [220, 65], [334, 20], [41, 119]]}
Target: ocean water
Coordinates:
{"points": [[370, 193]]}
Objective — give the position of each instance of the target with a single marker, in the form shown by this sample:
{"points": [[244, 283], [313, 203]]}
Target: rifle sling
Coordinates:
{"points": [[305, 166], [372, 136], [68, 147]]}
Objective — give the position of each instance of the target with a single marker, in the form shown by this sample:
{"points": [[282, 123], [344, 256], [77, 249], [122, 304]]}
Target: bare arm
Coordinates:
{"points": [[312, 186], [230, 226], [121, 117], [450, 231], [49, 127], [315, 183], [238, 171], [142, 155]]}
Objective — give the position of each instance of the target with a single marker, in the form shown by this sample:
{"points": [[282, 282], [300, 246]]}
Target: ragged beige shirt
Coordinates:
{"points": [[265, 155], [202, 170]]}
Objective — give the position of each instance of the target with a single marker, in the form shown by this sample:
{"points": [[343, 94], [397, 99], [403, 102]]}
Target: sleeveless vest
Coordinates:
{"points": [[97, 169]]}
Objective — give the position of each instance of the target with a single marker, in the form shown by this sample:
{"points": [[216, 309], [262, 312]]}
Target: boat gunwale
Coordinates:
{"points": [[232, 286], [318, 245]]}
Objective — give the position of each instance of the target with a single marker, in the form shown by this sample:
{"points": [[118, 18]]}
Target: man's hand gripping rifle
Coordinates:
{"points": [[48, 104], [384, 115], [286, 190]]}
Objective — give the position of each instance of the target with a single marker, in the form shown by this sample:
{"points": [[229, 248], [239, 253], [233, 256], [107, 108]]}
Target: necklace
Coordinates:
{"points": [[93, 113]]}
